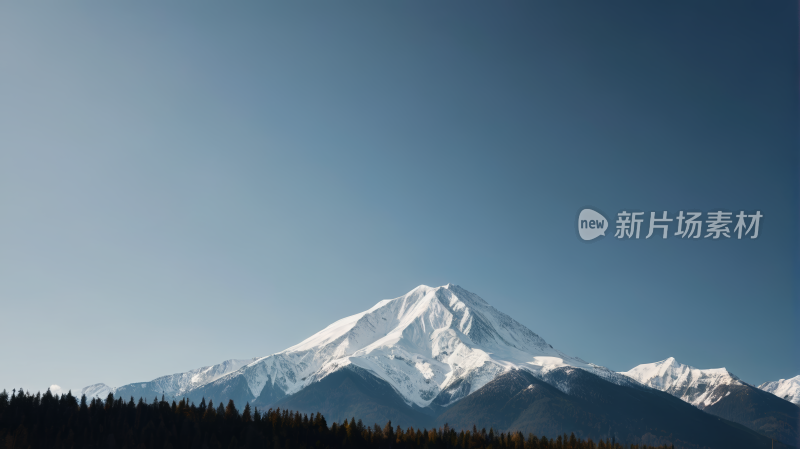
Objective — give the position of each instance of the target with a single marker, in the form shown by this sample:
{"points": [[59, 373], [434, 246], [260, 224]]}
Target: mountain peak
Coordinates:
{"points": [[100, 390], [433, 343], [672, 364], [691, 384], [788, 389]]}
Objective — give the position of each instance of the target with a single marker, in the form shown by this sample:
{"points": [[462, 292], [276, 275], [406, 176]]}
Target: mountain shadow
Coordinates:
{"points": [[758, 410], [594, 408], [355, 392]]}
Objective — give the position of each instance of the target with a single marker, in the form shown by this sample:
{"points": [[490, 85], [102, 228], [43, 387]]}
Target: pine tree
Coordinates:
{"points": [[230, 410], [209, 414], [388, 432], [246, 417]]}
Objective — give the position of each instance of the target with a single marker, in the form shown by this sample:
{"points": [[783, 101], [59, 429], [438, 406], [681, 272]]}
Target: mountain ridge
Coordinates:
{"points": [[434, 345]]}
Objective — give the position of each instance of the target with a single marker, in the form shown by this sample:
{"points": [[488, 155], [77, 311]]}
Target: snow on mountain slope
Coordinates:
{"points": [[96, 391], [788, 389], [695, 386], [173, 385], [178, 384], [432, 345]]}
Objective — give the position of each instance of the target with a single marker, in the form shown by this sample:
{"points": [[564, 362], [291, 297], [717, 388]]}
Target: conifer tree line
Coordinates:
{"points": [[64, 422]]}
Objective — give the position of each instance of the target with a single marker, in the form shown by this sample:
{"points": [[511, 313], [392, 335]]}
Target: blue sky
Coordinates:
{"points": [[182, 184]]}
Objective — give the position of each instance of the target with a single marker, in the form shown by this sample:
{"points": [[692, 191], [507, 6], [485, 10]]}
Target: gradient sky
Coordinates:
{"points": [[183, 183]]}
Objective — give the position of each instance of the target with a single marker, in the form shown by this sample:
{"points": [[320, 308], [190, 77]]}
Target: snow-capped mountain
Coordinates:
{"points": [[96, 391], [699, 387], [720, 393], [433, 346], [788, 389]]}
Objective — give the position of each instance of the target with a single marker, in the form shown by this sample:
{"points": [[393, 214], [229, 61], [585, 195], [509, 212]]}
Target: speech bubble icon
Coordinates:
{"points": [[591, 224]]}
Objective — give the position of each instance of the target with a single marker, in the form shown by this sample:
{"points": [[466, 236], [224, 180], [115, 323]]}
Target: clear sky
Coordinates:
{"points": [[186, 182]]}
